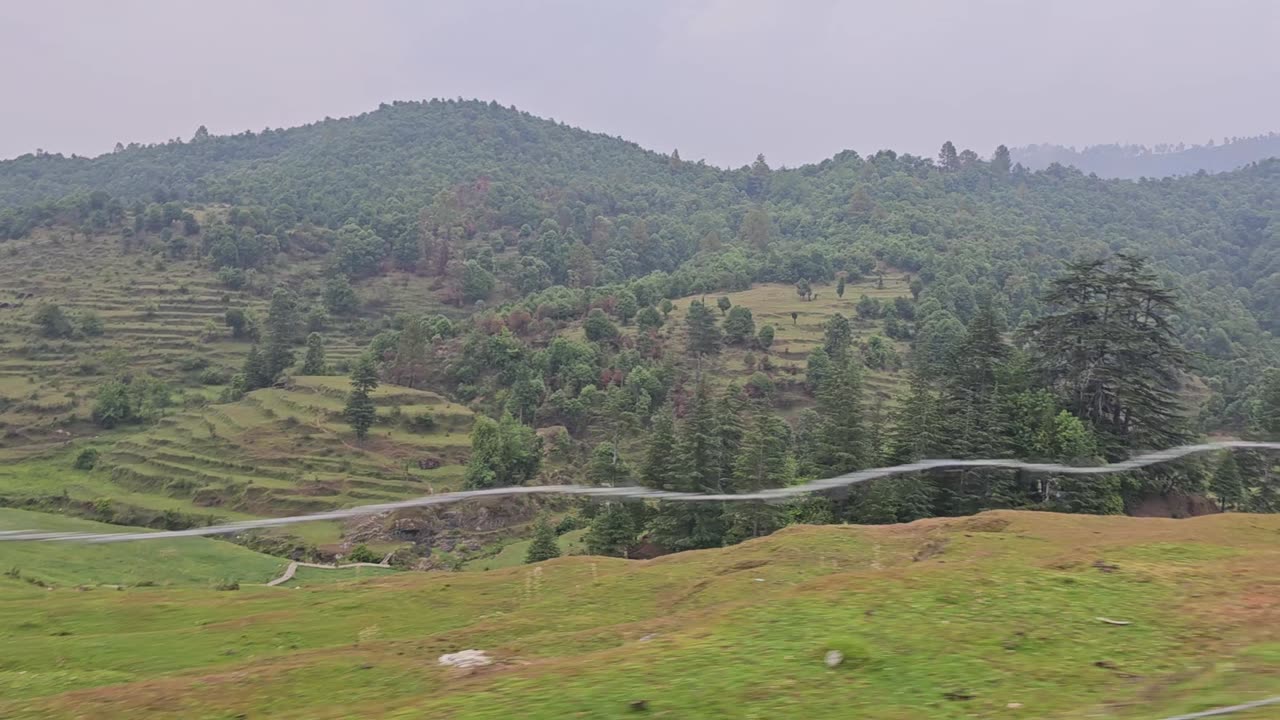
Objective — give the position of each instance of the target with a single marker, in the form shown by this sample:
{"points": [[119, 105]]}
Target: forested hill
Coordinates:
{"points": [[431, 186], [1137, 161]]}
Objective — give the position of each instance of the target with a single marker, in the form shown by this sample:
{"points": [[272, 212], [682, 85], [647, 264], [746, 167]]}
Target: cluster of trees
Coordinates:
{"points": [[1097, 378]]}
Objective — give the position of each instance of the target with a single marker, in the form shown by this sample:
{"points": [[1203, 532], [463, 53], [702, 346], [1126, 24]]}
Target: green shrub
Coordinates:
{"points": [[86, 459], [362, 553], [227, 585], [215, 376]]}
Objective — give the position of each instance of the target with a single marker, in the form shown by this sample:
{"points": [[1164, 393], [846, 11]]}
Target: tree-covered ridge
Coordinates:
{"points": [[1135, 161]]}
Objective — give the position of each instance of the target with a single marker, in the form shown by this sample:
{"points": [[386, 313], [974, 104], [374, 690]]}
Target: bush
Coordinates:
{"points": [[193, 362], [52, 321], [215, 376], [227, 585], [362, 554], [86, 459], [568, 523], [91, 324], [423, 422]]}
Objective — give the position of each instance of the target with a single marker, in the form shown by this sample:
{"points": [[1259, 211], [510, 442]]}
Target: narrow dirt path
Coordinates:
{"points": [[292, 570]]}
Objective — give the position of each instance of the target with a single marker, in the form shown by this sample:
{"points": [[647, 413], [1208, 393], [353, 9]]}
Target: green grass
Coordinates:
{"points": [[512, 554], [1005, 613], [189, 561]]}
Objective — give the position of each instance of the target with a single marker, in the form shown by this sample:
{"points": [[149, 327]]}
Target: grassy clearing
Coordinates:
{"points": [[1002, 611], [198, 562], [512, 555], [772, 304]]}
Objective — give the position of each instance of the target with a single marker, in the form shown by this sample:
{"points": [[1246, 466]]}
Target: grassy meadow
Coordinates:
{"points": [[993, 616]]}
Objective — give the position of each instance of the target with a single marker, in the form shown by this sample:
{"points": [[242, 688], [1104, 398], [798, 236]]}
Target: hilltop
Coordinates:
{"points": [[991, 616]]}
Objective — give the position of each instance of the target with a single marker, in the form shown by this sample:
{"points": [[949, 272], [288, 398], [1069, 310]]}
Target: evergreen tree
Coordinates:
{"points": [[918, 429], [1109, 348], [678, 526], [598, 327], [817, 370], [1269, 404], [283, 325], [254, 371], [313, 363], [661, 466], [1001, 163], [409, 367], [948, 158], [1227, 484], [837, 338], [730, 409], [612, 531], [545, 545], [840, 287], [764, 338], [843, 440], [703, 332], [606, 466], [739, 325], [360, 410], [648, 318]]}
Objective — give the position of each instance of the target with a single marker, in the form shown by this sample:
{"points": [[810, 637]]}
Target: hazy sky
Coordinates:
{"points": [[718, 79]]}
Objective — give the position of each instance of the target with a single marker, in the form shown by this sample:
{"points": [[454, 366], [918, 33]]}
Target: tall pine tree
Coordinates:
{"points": [[360, 410]]}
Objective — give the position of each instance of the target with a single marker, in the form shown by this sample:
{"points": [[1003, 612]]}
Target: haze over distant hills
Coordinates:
{"points": [[1135, 161]]}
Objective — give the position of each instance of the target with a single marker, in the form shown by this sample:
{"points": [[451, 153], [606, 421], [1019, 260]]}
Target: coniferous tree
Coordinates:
{"points": [[837, 338], [840, 287], [703, 332], [678, 526], [1109, 348], [282, 329], [612, 531], [410, 364], [1227, 484], [842, 444], [254, 371], [545, 545], [360, 410], [313, 363], [1001, 163], [739, 325], [817, 370], [1269, 404], [660, 463]]}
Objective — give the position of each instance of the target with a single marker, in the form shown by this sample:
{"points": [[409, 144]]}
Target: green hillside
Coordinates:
{"points": [[992, 616]]}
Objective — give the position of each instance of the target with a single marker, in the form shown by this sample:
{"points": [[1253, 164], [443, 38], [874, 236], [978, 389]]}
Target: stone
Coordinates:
{"points": [[833, 658], [466, 659]]}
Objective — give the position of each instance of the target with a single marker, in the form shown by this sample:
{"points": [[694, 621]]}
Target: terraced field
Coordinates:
{"points": [[161, 317], [288, 451], [772, 304]]}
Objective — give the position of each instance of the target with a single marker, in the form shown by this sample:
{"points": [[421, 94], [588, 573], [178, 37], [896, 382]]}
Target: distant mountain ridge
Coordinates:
{"points": [[1136, 161]]}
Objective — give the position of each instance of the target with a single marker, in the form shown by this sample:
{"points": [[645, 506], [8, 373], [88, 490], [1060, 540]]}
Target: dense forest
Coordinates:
{"points": [[1139, 161], [1051, 314]]}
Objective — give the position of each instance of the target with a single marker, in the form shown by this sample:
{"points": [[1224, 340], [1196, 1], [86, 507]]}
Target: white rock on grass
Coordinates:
{"points": [[466, 659], [833, 658]]}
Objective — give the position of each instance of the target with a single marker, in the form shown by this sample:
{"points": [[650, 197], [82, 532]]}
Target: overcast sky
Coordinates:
{"points": [[717, 79]]}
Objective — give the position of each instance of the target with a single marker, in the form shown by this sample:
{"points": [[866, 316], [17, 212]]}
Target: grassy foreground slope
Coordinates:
{"points": [[986, 617]]}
